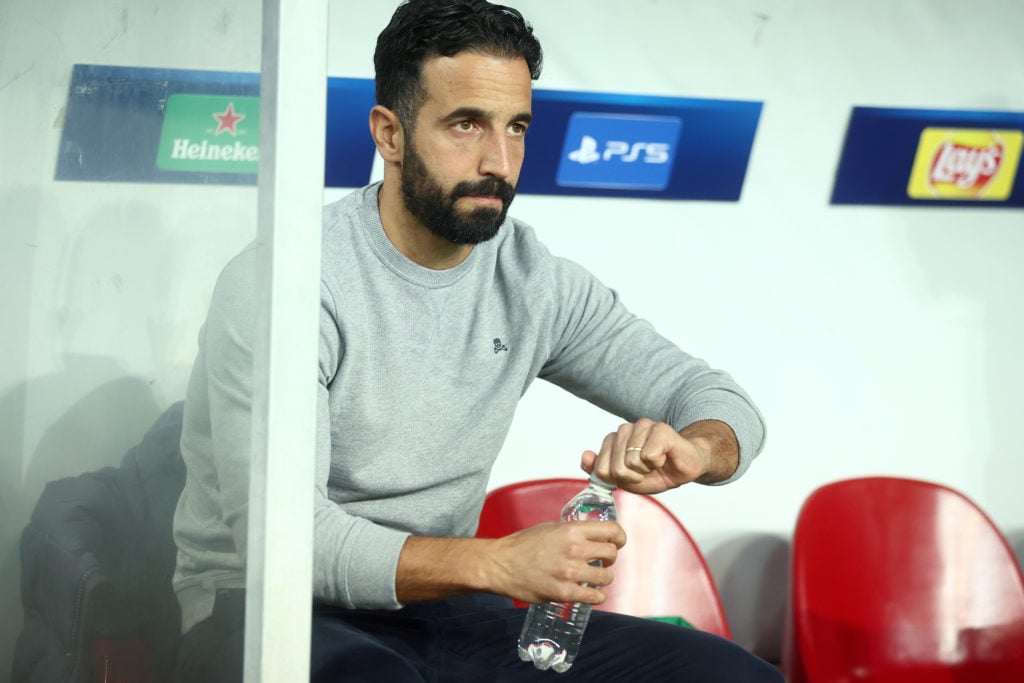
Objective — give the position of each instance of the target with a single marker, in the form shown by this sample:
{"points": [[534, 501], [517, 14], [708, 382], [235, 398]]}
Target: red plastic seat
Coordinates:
{"points": [[902, 581], [659, 573]]}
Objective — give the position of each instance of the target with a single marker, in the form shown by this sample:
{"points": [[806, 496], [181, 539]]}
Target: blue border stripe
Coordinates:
{"points": [[115, 115], [880, 147]]}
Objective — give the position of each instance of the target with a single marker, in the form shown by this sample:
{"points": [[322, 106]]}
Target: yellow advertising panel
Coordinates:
{"points": [[965, 164]]}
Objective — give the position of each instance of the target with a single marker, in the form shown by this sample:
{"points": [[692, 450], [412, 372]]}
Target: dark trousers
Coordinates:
{"points": [[473, 639]]}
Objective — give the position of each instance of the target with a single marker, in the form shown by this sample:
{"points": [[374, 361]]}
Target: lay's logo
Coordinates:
{"points": [[965, 164]]}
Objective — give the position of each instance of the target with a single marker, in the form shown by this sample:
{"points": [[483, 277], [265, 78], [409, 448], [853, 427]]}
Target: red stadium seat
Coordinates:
{"points": [[659, 573], [902, 581]]}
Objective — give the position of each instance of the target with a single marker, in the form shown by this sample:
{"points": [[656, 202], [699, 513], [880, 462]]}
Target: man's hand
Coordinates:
{"points": [[551, 562], [545, 563], [651, 457]]}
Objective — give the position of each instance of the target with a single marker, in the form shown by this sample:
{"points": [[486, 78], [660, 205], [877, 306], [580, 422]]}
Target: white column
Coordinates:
{"points": [[293, 96]]}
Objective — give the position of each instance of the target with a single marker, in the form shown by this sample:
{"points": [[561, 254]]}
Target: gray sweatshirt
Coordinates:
{"points": [[419, 376]]}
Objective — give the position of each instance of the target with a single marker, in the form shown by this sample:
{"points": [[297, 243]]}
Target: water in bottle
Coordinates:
{"points": [[553, 631]]}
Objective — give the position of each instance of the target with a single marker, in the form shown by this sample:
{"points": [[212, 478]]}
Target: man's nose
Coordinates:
{"points": [[497, 156]]}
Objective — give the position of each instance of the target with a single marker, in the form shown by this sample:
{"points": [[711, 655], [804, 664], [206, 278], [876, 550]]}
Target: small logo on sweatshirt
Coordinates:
{"points": [[498, 346]]}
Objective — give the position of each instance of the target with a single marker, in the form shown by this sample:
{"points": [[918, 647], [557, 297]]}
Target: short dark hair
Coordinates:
{"points": [[423, 29]]}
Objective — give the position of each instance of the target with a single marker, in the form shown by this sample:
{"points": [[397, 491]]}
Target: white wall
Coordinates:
{"points": [[876, 340]]}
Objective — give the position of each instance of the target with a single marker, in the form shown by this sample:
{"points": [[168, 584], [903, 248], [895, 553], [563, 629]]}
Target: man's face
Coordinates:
{"points": [[436, 207], [461, 163]]}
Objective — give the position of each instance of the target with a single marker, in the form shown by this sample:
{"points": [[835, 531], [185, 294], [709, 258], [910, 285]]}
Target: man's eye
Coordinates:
{"points": [[517, 128], [464, 125]]}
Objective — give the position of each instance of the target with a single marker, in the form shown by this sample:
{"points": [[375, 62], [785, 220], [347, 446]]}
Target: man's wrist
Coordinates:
{"points": [[431, 568], [717, 441]]}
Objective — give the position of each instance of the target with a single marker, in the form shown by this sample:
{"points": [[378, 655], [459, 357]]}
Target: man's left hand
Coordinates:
{"points": [[650, 457]]}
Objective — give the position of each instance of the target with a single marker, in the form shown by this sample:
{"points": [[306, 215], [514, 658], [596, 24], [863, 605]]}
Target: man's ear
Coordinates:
{"points": [[387, 133]]}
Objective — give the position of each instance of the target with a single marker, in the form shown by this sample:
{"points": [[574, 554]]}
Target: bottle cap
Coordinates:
{"points": [[594, 479]]}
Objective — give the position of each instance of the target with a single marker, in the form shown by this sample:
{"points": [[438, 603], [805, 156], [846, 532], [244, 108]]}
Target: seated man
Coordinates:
{"points": [[438, 311]]}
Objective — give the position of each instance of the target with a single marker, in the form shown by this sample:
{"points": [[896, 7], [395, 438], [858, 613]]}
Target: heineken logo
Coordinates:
{"points": [[228, 121], [210, 134]]}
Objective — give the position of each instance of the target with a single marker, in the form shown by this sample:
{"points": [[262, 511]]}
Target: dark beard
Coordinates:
{"points": [[427, 201]]}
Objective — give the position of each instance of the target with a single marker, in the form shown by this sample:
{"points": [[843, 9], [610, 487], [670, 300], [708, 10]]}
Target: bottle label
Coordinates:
{"points": [[564, 610], [593, 513]]}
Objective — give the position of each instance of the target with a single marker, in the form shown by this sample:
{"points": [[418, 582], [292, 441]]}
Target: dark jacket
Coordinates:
{"points": [[96, 564]]}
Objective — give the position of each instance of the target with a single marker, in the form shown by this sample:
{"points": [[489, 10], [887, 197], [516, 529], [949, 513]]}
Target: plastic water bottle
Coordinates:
{"points": [[553, 631]]}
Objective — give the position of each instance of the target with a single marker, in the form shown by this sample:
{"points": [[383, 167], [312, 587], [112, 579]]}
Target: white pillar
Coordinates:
{"points": [[293, 101]]}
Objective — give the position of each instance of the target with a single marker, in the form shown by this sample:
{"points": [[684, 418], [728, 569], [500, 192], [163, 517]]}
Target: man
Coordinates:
{"points": [[437, 313]]}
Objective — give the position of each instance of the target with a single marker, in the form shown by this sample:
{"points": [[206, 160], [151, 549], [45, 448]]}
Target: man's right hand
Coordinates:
{"points": [[552, 562], [546, 563]]}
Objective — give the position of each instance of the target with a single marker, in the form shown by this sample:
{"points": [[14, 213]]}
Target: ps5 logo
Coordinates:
{"points": [[619, 151], [648, 152]]}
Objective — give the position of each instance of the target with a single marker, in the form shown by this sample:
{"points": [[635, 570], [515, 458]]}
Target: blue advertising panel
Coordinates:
{"points": [[914, 157], [147, 125], [118, 121], [600, 151], [348, 160], [604, 144]]}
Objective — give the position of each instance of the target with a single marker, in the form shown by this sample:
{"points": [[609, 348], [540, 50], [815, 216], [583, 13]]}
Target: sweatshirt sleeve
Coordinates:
{"points": [[354, 560], [619, 362], [227, 354]]}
